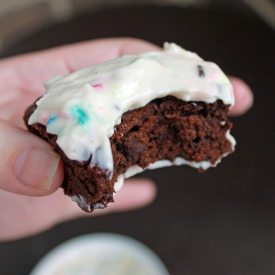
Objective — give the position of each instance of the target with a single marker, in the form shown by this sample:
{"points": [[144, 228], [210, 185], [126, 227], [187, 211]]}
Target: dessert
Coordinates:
{"points": [[115, 119]]}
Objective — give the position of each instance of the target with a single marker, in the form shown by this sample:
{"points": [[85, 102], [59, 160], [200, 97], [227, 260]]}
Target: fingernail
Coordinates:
{"points": [[36, 167]]}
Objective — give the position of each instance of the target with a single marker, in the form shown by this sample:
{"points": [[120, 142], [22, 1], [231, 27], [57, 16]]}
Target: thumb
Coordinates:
{"points": [[28, 165]]}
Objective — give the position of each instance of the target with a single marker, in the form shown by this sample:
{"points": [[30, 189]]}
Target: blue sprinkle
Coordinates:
{"points": [[51, 120], [80, 115], [117, 107]]}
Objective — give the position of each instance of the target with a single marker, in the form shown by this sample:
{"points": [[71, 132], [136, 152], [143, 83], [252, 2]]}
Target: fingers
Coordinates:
{"points": [[243, 96], [29, 71], [31, 215], [28, 165], [135, 193]]}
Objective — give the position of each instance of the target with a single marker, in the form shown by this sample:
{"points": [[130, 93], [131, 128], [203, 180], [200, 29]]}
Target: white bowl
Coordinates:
{"points": [[100, 254]]}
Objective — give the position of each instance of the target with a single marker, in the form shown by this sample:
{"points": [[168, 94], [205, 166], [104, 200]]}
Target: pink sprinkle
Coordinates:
{"points": [[63, 115], [45, 119], [98, 86], [214, 76]]}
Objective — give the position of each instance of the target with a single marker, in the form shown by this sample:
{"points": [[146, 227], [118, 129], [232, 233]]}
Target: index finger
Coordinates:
{"points": [[31, 70]]}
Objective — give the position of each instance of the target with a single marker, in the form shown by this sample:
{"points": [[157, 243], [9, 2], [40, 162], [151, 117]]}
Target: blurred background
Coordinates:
{"points": [[218, 222], [20, 17]]}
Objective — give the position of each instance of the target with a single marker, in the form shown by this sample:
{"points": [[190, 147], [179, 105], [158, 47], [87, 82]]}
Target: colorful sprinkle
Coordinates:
{"points": [[79, 114], [117, 107], [63, 115], [214, 76], [45, 119], [201, 71], [51, 120], [98, 86]]}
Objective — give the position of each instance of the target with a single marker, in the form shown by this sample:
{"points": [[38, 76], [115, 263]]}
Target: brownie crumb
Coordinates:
{"points": [[201, 71]]}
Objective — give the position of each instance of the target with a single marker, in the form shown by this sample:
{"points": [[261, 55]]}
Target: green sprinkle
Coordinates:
{"points": [[79, 115]]}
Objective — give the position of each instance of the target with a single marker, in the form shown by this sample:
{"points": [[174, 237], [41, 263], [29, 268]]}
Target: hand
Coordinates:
{"points": [[28, 167]]}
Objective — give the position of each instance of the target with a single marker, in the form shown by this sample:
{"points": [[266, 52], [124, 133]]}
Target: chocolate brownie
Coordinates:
{"points": [[165, 130]]}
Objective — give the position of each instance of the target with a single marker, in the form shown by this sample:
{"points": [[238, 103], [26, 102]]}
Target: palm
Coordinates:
{"points": [[21, 81]]}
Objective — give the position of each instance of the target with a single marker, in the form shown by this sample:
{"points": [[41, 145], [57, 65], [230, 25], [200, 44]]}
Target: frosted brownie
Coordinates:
{"points": [[115, 119]]}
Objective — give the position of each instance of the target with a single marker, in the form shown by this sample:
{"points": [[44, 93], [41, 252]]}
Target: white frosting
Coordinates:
{"points": [[135, 169], [83, 108], [119, 183], [81, 202], [230, 139]]}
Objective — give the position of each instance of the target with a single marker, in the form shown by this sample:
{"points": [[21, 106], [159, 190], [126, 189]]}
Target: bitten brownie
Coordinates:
{"points": [[164, 129], [146, 111]]}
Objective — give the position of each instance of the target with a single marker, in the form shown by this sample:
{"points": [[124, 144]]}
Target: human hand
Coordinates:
{"points": [[28, 166]]}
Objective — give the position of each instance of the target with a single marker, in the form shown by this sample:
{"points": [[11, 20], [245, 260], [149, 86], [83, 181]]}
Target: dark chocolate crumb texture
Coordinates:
{"points": [[115, 119]]}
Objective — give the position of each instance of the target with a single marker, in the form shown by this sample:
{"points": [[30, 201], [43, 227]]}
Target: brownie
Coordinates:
{"points": [[164, 129]]}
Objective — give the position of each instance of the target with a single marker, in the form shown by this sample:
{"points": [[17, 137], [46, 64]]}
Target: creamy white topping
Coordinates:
{"points": [[81, 202], [83, 108], [135, 169]]}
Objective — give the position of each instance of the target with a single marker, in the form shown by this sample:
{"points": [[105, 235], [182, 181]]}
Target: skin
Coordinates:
{"points": [[27, 209]]}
